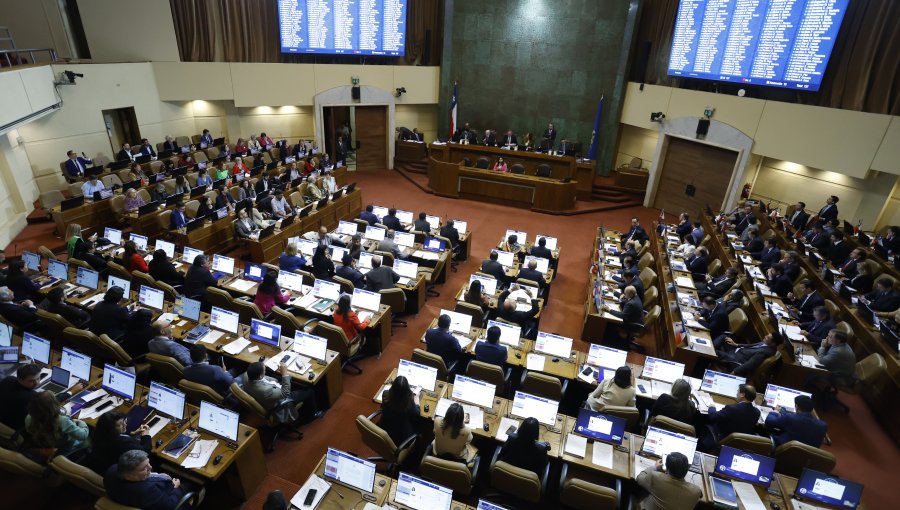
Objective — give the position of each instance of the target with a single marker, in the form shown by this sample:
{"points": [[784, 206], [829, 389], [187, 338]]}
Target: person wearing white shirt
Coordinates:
{"points": [[280, 206], [91, 186], [329, 183], [253, 143]]}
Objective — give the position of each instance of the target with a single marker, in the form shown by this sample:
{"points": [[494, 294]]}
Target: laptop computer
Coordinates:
{"points": [[59, 381], [599, 426], [746, 466], [149, 207], [71, 203], [828, 489]]}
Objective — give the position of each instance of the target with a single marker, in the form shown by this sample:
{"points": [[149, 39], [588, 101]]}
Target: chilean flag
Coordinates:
{"points": [[453, 104]]}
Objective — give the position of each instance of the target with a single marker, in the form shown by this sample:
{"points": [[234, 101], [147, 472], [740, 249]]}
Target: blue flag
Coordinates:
{"points": [[595, 134]]}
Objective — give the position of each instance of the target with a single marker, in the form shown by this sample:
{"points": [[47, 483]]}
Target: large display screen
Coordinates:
{"points": [[776, 43], [352, 27]]}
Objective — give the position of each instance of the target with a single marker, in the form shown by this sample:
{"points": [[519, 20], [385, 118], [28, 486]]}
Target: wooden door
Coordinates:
{"points": [[371, 135], [706, 167]]}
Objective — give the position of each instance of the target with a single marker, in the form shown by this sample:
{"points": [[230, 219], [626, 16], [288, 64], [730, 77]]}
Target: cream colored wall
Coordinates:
{"points": [[129, 30], [423, 117], [36, 24], [280, 122], [636, 142], [17, 188]]}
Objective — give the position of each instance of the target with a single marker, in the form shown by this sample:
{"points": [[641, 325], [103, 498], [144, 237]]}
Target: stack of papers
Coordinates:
{"points": [[313, 482], [808, 360], [747, 496], [305, 301], [505, 424], [684, 281], [200, 454], [242, 285], [602, 455], [463, 340], [236, 346], [576, 445], [212, 336], [534, 362]]}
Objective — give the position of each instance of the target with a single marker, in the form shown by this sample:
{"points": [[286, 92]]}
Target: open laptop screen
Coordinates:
{"points": [[418, 376], [291, 281], [189, 254], [662, 370], [828, 489], [779, 396], [406, 269], [721, 384], [224, 320], [459, 322], [661, 442], [607, 428], [488, 285], [606, 357], [36, 348], [510, 334], [118, 381], [310, 345], [79, 365], [166, 400], [350, 470], [419, 494], [31, 260], [527, 405], [125, 285], [167, 247], [365, 299], [113, 235], [58, 269], [151, 298], [551, 241], [554, 345], [218, 421], [750, 467], [473, 391], [187, 308], [87, 278], [140, 242], [265, 332], [5, 334]]}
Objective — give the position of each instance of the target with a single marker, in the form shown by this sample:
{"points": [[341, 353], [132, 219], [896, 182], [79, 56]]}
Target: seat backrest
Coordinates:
{"points": [[195, 392], [170, 291], [737, 321], [651, 295], [652, 315], [376, 438], [286, 320], [635, 163], [481, 162], [118, 270], [75, 189], [248, 310], [715, 267], [54, 323], [51, 198], [387, 259], [165, 368], [487, 372], [105, 503], [337, 340], [221, 298], [18, 464], [584, 495], [471, 310], [346, 285], [664, 422], [646, 260], [871, 368], [101, 347], [394, 298], [764, 371], [792, 457], [521, 483], [648, 277], [79, 476], [748, 443], [163, 220], [843, 326], [247, 401], [517, 169], [449, 473], [543, 170], [542, 385], [833, 309], [139, 278], [432, 360], [111, 180]]}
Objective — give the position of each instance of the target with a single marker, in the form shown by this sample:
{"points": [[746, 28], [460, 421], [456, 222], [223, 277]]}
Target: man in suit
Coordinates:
{"points": [[76, 165], [391, 221], [508, 312], [770, 254], [777, 281], [264, 183], [56, 303], [629, 251], [889, 244], [490, 138], [147, 149], [754, 245], [839, 250], [734, 299], [829, 211], [790, 262], [347, 271], [169, 144], [549, 136], [244, 227], [206, 138], [797, 426], [200, 371], [268, 392], [449, 232], [368, 215], [531, 273], [494, 268], [752, 226], [491, 351], [667, 488], [838, 358], [636, 232], [747, 357], [441, 342], [509, 139], [740, 417], [698, 263], [417, 136], [816, 330], [884, 298], [23, 314], [718, 286], [541, 250], [818, 239], [421, 224], [807, 301], [742, 219], [389, 246], [178, 218], [848, 267], [125, 153], [630, 277], [109, 317], [403, 133], [380, 277], [631, 311], [163, 343], [714, 317], [17, 390], [800, 217], [131, 482]]}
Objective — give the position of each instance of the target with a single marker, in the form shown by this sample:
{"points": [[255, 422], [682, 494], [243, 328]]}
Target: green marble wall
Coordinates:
{"points": [[523, 63]]}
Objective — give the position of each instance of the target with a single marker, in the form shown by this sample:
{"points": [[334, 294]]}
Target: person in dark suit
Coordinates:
{"points": [[224, 198], [636, 232], [131, 482], [863, 281], [494, 268], [770, 254], [264, 183], [509, 139], [629, 251], [76, 165], [829, 211], [421, 224], [740, 417], [56, 303], [818, 239], [531, 273], [125, 153], [169, 144], [797, 426], [109, 317], [630, 277], [799, 218], [110, 440], [714, 317], [549, 134], [404, 133], [742, 219], [839, 250], [754, 245], [202, 372], [206, 137], [380, 277], [348, 271], [807, 301], [179, 218], [817, 329], [449, 232], [163, 270], [491, 351], [17, 390], [718, 286], [746, 356], [523, 450], [678, 404], [391, 221], [849, 266], [541, 250], [368, 215], [198, 278], [507, 310], [631, 311], [22, 315], [441, 342], [884, 298], [490, 138], [734, 299], [684, 227], [777, 281], [147, 149], [889, 244], [698, 263]]}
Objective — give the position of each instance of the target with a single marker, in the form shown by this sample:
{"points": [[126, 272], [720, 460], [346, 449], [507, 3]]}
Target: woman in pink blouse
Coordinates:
{"points": [[269, 294], [500, 166]]}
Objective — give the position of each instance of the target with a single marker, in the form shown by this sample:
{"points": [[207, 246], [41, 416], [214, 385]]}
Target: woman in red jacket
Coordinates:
{"points": [[132, 260], [346, 319]]}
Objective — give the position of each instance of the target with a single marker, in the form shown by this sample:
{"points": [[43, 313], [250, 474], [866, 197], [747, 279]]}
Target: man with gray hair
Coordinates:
{"points": [[163, 344], [131, 482], [23, 314]]}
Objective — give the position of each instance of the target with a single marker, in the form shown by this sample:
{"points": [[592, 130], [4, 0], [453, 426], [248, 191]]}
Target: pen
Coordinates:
{"points": [[339, 494]]}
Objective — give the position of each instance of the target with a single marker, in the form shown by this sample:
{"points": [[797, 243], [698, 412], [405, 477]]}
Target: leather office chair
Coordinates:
{"points": [[9, 437], [792, 457], [452, 474], [165, 368], [289, 322], [651, 295], [54, 324], [648, 277], [869, 372], [646, 260], [195, 392], [163, 221], [111, 180], [143, 193], [737, 321], [833, 310], [387, 259], [764, 372], [308, 278], [350, 352], [423, 357], [75, 189], [188, 501], [843, 326], [454, 254], [482, 162], [517, 482], [139, 278], [360, 225], [378, 440], [168, 290], [220, 298], [748, 443], [103, 348], [490, 373], [199, 156], [471, 310], [631, 415], [714, 268], [581, 494], [79, 263], [543, 170], [543, 385], [270, 417], [517, 169], [396, 299], [47, 253], [80, 476], [247, 310], [18, 464], [119, 270], [51, 199], [664, 422], [346, 285]]}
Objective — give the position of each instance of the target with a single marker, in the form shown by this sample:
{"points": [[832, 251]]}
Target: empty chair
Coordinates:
{"points": [[220, 298], [165, 368], [714, 268], [75, 189], [111, 180], [289, 322], [423, 357], [18, 464], [395, 298], [737, 321], [543, 385], [648, 277], [646, 260], [80, 476], [489, 373], [482, 162], [792, 457], [651, 295], [748, 443], [378, 440], [833, 310], [543, 170], [578, 493], [102, 348], [247, 310], [51, 199], [471, 310], [869, 372], [517, 169], [452, 474], [54, 323]]}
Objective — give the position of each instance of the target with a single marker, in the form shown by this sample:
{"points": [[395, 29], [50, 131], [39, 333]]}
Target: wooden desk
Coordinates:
{"points": [[410, 152], [698, 479], [561, 167], [337, 498], [92, 216], [454, 504], [541, 194], [621, 467]]}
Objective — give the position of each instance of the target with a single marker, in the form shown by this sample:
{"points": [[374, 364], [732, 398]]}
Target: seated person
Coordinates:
{"points": [[163, 270], [110, 440], [740, 417], [452, 438], [133, 201], [614, 391], [269, 294], [198, 278], [109, 317], [345, 318], [368, 215], [440, 341], [280, 206], [16, 391], [290, 260], [678, 404], [388, 245], [23, 315], [511, 244], [475, 296], [201, 371], [630, 277], [224, 198], [777, 281], [132, 259], [244, 227], [380, 277], [20, 283], [178, 218], [449, 232], [181, 185], [523, 450], [884, 298], [348, 271], [816, 330], [807, 301], [313, 192], [138, 333], [770, 254], [698, 263], [55, 302], [500, 166], [631, 311], [797, 426], [838, 358], [91, 186], [391, 221], [220, 172], [531, 273], [718, 286], [322, 265], [864, 280], [164, 345], [747, 357], [491, 351], [47, 428], [714, 316], [667, 488], [399, 411], [541, 250], [203, 178], [268, 392], [494, 268], [131, 482], [507, 311], [421, 224], [204, 209]]}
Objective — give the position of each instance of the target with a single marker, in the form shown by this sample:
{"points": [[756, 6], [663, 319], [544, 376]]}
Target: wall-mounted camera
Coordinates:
{"points": [[68, 78], [400, 91], [657, 116]]}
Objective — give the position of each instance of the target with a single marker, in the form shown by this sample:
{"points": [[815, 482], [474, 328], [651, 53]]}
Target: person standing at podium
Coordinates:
{"points": [[549, 136]]}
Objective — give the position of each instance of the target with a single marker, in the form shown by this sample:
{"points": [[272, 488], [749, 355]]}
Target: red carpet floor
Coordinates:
{"points": [[865, 453]]}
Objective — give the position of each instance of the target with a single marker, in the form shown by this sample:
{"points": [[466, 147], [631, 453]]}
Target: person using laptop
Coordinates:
{"points": [[109, 317], [388, 245], [219, 171], [326, 162], [452, 438], [322, 265], [81, 249], [800, 425], [475, 296], [132, 259], [883, 299], [666, 487], [269, 391], [698, 263], [201, 371], [203, 178], [380, 277], [421, 224], [511, 244], [531, 273], [224, 199], [348, 271], [204, 208], [264, 183], [345, 318], [280, 206], [523, 450], [132, 482], [178, 219], [91, 186], [449, 232], [198, 278], [22, 315], [163, 270], [864, 279], [110, 440], [245, 191], [508, 312], [391, 221], [290, 260], [269, 294], [541, 250], [491, 350], [743, 359], [808, 300], [399, 412], [615, 391], [678, 404], [368, 215], [18, 281], [182, 186], [164, 345], [440, 341], [47, 429], [133, 201], [16, 391], [740, 417], [55, 302], [714, 316], [493, 267]]}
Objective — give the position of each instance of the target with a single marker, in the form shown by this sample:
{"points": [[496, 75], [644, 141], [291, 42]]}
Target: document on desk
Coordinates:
{"points": [[754, 272], [159, 425], [236, 346], [691, 323], [286, 357], [643, 463], [576, 445], [313, 482], [800, 505], [426, 255], [364, 315], [505, 425], [746, 494], [212, 336], [684, 281], [441, 408], [306, 300], [523, 307], [678, 265], [463, 340], [660, 387], [535, 362], [793, 332], [475, 416], [644, 387], [200, 453], [808, 360], [94, 411], [602, 455], [241, 285]]}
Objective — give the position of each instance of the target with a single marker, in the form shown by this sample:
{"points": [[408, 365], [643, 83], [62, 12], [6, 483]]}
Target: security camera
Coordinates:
{"points": [[657, 116], [70, 77], [400, 91]]}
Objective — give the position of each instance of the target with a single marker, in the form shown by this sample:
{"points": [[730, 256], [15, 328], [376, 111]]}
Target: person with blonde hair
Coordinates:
{"points": [[289, 260], [133, 201]]}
